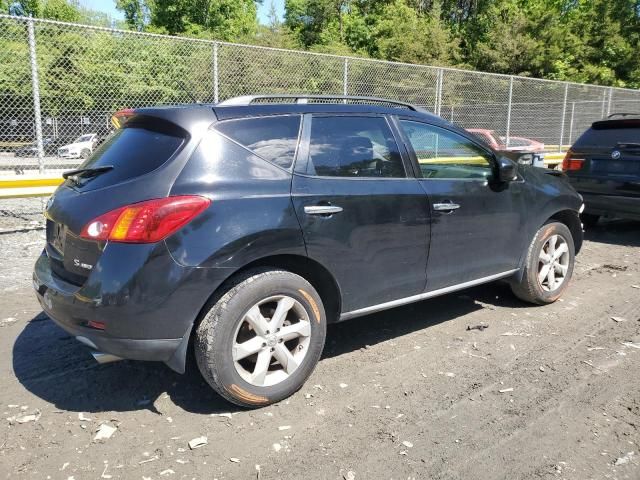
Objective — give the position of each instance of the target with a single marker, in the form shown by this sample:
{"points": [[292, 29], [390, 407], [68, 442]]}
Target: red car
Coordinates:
{"points": [[499, 143]]}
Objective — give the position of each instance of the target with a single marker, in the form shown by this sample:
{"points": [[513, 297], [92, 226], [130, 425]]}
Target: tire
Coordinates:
{"points": [[530, 288], [589, 220], [85, 153], [231, 328]]}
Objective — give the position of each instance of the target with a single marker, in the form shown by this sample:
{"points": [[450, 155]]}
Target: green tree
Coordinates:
{"points": [[403, 34], [221, 19], [136, 13]]}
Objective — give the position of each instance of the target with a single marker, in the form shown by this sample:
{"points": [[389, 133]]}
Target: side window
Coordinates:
{"points": [[272, 138], [353, 147], [444, 154]]}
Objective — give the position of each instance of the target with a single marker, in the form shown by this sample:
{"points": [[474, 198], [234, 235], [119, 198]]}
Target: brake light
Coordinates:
{"points": [[145, 222], [570, 163], [119, 118]]}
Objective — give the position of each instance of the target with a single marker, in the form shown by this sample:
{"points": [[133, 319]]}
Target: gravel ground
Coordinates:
{"points": [[542, 393]]}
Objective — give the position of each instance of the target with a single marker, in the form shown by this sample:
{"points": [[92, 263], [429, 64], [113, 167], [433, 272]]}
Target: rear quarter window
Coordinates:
{"points": [[273, 138], [133, 151]]}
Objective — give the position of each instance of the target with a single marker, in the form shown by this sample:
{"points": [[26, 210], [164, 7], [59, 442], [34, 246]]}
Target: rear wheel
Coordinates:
{"points": [[262, 339], [589, 220], [549, 265]]}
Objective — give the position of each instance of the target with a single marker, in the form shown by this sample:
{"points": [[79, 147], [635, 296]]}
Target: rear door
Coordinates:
{"points": [[477, 227], [610, 151], [363, 217]]}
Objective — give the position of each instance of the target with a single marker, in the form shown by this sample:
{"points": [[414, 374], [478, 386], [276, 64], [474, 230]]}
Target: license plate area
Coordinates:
{"points": [[56, 234]]}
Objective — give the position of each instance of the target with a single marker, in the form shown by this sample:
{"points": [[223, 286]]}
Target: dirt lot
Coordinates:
{"points": [[546, 392]]}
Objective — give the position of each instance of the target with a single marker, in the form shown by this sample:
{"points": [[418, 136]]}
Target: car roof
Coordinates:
{"points": [[224, 112], [185, 115]]}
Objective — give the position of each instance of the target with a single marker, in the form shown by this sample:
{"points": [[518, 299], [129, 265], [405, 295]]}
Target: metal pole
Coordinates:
{"points": [[573, 111], [438, 104], [345, 78], [437, 92], [609, 105], [604, 102], [564, 113], [35, 84], [508, 132], [216, 95], [451, 119]]}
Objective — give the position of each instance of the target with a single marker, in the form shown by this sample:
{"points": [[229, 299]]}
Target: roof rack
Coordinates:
{"points": [[305, 98], [623, 115]]}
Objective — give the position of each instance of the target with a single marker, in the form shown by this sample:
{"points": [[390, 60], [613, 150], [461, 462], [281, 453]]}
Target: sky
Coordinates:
{"points": [[106, 6], [263, 10], [109, 7]]}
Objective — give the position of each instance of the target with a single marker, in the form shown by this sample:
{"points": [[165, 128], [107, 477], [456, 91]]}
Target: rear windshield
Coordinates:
{"points": [[607, 137], [132, 151]]}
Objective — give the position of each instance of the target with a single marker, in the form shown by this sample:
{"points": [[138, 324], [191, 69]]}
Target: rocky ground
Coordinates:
{"points": [[543, 392]]}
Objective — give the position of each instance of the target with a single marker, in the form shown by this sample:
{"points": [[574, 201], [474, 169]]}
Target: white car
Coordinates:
{"points": [[82, 147]]}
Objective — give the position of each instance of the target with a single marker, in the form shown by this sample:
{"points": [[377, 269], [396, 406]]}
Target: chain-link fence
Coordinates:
{"points": [[60, 82]]}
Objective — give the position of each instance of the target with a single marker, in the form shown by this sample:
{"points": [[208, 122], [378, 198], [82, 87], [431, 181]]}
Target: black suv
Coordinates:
{"points": [[604, 166], [245, 227]]}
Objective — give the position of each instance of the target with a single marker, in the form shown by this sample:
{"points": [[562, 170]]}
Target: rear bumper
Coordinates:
{"points": [[147, 307], [613, 205], [61, 302]]}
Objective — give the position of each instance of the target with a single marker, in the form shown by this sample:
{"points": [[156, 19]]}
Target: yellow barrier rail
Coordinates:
{"points": [[29, 186], [43, 186]]}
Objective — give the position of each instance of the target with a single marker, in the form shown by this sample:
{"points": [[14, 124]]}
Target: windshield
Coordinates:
{"points": [[84, 138]]}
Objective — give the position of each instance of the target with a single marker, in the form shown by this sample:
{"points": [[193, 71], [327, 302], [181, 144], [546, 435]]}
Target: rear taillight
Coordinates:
{"points": [[571, 163], [145, 222], [119, 118]]}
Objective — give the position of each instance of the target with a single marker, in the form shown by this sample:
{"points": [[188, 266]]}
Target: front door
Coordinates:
{"points": [[362, 216], [477, 225]]}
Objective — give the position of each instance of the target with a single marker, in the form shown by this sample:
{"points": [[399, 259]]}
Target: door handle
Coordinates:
{"points": [[322, 209], [446, 207]]}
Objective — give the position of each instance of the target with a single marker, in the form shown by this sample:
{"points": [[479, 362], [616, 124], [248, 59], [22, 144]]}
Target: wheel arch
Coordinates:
{"points": [[312, 271], [568, 217], [571, 219]]}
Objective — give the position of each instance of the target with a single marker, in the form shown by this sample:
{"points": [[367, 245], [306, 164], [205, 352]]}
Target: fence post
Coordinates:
{"points": [[573, 111], [509, 106], [438, 102], [216, 93], [609, 104], [604, 102], [564, 113], [35, 84], [345, 78]]}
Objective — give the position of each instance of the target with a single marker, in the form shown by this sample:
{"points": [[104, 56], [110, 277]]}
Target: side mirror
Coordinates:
{"points": [[507, 170]]}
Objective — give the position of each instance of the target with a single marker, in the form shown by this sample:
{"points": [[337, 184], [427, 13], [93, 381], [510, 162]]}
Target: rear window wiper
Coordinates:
{"points": [[87, 172]]}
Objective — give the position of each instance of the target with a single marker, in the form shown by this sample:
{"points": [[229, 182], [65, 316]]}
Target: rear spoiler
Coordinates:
{"points": [[618, 123]]}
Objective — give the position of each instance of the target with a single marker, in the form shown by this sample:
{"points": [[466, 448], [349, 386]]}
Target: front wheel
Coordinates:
{"points": [[548, 266], [262, 339]]}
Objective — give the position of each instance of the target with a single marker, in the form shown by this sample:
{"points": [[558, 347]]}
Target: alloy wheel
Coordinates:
{"points": [[271, 340], [553, 263]]}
